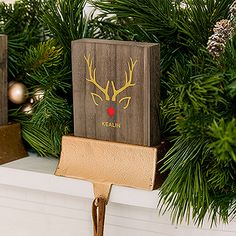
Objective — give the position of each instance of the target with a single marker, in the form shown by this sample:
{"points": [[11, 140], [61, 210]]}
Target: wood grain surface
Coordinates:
{"points": [[3, 80], [116, 91]]}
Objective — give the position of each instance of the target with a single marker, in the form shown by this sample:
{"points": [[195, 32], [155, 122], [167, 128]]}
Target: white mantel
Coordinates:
{"points": [[34, 202]]}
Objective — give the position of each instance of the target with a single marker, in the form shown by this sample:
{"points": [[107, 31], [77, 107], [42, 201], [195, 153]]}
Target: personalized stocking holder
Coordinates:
{"points": [[116, 136], [11, 147]]}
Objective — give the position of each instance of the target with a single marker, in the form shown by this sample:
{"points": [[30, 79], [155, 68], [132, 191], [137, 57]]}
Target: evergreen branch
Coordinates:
{"points": [[45, 54], [224, 146], [185, 187], [20, 22], [198, 21], [51, 116], [66, 22], [51, 110]]}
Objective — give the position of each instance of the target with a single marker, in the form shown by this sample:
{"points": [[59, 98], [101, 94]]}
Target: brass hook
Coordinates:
{"points": [[98, 213]]}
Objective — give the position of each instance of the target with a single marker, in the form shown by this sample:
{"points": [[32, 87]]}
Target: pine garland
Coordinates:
{"points": [[198, 97], [66, 21], [198, 48], [43, 64], [52, 115], [20, 22]]}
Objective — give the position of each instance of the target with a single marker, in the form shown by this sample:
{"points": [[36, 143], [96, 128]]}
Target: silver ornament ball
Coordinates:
{"points": [[17, 92]]}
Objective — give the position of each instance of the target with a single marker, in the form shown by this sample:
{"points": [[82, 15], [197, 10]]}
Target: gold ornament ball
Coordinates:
{"points": [[17, 92], [38, 94], [27, 109]]}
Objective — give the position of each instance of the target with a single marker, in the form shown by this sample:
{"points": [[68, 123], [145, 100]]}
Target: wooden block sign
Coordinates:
{"points": [[116, 91], [3, 80]]}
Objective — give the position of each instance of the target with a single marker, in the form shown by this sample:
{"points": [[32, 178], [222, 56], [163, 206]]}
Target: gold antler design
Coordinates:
{"points": [[128, 82], [92, 78]]}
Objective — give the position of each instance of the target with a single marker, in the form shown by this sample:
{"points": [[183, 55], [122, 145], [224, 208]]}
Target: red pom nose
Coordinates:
{"points": [[111, 111]]}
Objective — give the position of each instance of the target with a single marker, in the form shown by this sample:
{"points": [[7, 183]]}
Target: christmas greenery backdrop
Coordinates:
{"points": [[198, 86]]}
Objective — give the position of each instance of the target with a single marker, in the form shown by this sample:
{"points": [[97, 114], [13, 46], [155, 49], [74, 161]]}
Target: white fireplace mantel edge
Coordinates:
{"points": [[37, 173], [38, 203]]}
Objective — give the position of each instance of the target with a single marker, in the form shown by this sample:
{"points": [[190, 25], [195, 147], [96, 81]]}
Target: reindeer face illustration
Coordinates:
{"points": [[124, 101]]}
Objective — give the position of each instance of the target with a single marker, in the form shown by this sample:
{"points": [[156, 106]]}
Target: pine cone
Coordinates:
{"points": [[223, 30], [215, 48]]}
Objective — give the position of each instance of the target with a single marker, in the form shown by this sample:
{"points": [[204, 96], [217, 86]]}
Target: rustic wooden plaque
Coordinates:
{"points": [[3, 80], [116, 91]]}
